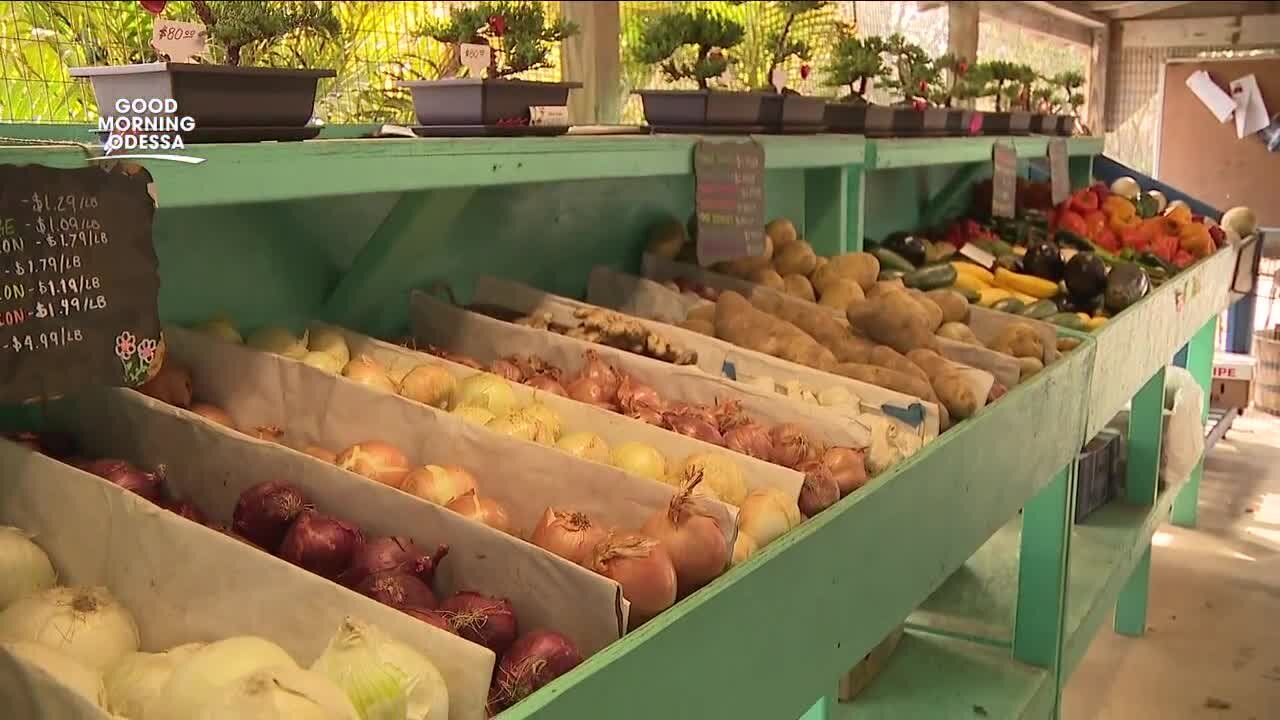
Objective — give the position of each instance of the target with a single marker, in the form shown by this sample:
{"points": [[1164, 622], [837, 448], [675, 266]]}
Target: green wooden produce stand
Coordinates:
{"points": [[342, 229]]}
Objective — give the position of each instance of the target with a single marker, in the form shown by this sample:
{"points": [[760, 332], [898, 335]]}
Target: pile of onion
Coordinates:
{"points": [[767, 514], [571, 535], [483, 510], [536, 658], [439, 484], [848, 467], [321, 544], [819, 490], [367, 372], [791, 447], [430, 385], [484, 620], [640, 459], [398, 589], [692, 538], [264, 513], [596, 382], [171, 384], [721, 477], [376, 460], [750, 438], [149, 485], [642, 567], [390, 552]]}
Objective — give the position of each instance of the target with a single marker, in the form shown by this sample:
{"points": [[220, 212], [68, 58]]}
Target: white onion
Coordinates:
{"points": [[330, 341], [439, 484], [360, 659], [767, 514], [84, 681], [280, 341], [586, 445], [220, 328], [488, 391], [323, 361], [549, 419], [24, 567], [139, 677], [640, 459], [199, 678], [430, 385], [474, 415], [278, 693], [86, 624]]}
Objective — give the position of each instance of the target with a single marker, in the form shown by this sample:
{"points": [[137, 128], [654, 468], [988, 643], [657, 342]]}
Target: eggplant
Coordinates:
{"points": [[1044, 260], [908, 246], [1069, 303], [1127, 283], [1085, 276]]}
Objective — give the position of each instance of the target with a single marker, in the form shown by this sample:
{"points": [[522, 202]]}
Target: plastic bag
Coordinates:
{"points": [[1183, 441]]}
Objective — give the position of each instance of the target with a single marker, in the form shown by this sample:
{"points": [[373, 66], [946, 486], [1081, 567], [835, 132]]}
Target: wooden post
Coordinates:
{"points": [[1142, 480], [1110, 106], [1099, 53], [1200, 364], [962, 33], [592, 58]]}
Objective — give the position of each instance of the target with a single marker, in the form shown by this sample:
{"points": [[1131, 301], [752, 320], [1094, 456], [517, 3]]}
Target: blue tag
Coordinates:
{"points": [[912, 415], [729, 371]]}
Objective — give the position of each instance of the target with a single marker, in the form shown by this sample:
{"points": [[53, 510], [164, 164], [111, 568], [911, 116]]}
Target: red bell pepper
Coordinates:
{"points": [[1085, 201], [1183, 258], [1107, 240], [1094, 223], [1132, 238], [1073, 222], [1165, 247]]}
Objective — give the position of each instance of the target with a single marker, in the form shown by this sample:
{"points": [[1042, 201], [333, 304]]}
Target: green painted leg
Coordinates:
{"points": [[821, 710], [1146, 427], [1042, 571], [856, 187], [1131, 607], [1200, 365], [825, 209]]}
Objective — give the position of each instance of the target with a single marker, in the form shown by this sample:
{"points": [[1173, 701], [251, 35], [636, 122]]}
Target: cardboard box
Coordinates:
{"points": [[1232, 380]]}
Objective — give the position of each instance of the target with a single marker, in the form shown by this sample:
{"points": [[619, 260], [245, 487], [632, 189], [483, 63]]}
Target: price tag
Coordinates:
{"points": [[78, 280], [729, 200], [179, 41], [1004, 180], [475, 57], [978, 255], [548, 115], [778, 78], [1059, 173]]}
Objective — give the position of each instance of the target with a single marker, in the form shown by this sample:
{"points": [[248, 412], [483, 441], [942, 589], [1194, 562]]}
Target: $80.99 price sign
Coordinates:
{"points": [[78, 280]]}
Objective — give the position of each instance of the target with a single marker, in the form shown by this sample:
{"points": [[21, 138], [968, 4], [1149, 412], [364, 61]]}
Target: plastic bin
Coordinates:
{"points": [[1099, 476]]}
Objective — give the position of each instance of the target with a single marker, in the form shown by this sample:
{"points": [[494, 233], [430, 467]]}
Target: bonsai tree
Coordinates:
{"points": [[237, 25], [854, 61], [948, 80], [707, 36], [783, 46], [909, 71], [1070, 83], [1006, 81], [520, 34]]}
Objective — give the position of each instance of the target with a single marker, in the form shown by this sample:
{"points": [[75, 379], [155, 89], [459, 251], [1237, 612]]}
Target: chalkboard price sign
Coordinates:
{"points": [[78, 280], [1004, 180], [729, 179]]}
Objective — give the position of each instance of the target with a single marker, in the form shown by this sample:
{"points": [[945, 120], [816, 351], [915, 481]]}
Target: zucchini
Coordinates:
{"points": [[931, 277], [889, 275], [1011, 305], [890, 260], [1067, 320], [1040, 309]]}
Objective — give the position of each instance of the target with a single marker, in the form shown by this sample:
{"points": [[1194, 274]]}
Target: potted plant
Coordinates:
{"points": [[784, 108], [1002, 81], [1019, 94], [228, 101], [854, 63], [909, 74], [1069, 82], [690, 44], [950, 83], [520, 38]]}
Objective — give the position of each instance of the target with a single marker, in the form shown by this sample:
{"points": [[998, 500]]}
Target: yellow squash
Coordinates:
{"points": [[989, 296], [968, 268], [1026, 284]]}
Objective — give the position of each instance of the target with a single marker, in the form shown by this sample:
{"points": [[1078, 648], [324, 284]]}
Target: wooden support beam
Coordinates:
{"points": [[1231, 31], [1079, 13], [962, 33], [1142, 9], [1036, 20], [592, 58], [1110, 105], [1095, 110]]}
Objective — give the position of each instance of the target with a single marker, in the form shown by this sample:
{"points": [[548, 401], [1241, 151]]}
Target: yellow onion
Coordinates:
{"points": [[483, 510], [280, 341], [440, 484], [367, 372], [721, 477], [474, 415], [430, 385], [332, 342], [488, 391], [642, 567], [743, 548], [549, 419], [567, 534], [586, 445], [767, 514], [221, 328], [525, 425], [640, 459], [376, 460], [323, 362]]}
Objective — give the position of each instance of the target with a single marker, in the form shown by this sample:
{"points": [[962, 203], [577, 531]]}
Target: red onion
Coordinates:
{"points": [[398, 589], [484, 620], [123, 474], [186, 510], [602, 372], [791, 446], [693, 426], [321, 544], [819, 490], [265, 511], [430, 617], [649, 415], [750, 438], [590, 391], [728, 415], [384, 553], [546, 383], [848, 467], [506, 370], [537, 658], [532, 365], [633, 395]]}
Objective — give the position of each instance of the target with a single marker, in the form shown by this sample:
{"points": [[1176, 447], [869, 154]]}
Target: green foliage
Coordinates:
{"points": [[1008, 81], [950, 80], [665, 37], [239, 24], [855, 60], [908, 72], [785, 44], [522, 32]]}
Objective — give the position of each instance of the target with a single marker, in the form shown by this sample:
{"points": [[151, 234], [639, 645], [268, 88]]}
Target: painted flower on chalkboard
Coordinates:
{"points": [[147, 350], [125, 345]]}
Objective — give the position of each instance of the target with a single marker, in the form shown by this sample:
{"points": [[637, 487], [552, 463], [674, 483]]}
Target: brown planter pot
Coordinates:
{"points": [[787, 112], [859, 118], [483, 102], [697, 108]]}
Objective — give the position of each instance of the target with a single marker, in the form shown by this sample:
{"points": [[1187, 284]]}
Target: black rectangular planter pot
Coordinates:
{"points": [[788, 112], [213, 96], [909, 122], [995, 123], [685, 108], [859, 118], [482, 102]]}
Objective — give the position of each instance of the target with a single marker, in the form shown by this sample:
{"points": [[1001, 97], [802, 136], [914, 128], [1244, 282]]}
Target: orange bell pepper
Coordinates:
{"points": [[1179, 215], [1119, 224], [1195, 239], [1119, 207]]}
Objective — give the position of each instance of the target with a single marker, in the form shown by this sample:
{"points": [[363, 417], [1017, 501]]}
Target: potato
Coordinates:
{"points": [[797, 258], [699, 326], [886, 378], [1018, 340], [798, 286], [893, 319], [767, 277], [1028, 366], [783, 232], [958, 332], [955, 308], [705, 312], [949, 383], [883, 286], [841, 293], [1067, 344], [742, 267], [887, 357], [819, 325], [930, 308], [859, 267], [666, 239], [743, 325], [817, 268]]}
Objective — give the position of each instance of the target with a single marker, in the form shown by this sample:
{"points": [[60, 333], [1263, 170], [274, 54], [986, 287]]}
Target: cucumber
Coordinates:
{"points": [[1040, 310], [971, 295], [890, 260], [1009, 305], [931, 277], [1068, 320], [889, 275]]}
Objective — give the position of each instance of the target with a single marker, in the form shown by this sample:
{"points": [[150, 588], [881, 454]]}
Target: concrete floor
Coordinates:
{"points": [[1212, 648]]}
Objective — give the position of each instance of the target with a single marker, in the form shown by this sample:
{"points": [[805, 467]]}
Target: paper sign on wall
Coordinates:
{"points": [[179, 41], [1251, 113], [1059, 172], [1004, 180], [729, 200], [475, 57], [1213, 97]]}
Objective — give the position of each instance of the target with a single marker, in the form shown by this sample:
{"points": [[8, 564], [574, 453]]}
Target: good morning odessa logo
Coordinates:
{"points": [[140, 125]]}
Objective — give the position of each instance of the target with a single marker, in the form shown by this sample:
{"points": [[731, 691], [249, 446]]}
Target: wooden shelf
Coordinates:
{"points": [[914, 152]]}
